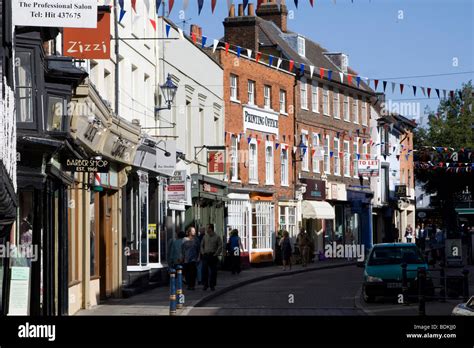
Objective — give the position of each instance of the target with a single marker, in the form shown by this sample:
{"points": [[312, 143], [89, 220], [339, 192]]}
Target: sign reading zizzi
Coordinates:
{"points": [[260, 120], [87, 165], [369, 167], [55, 13]]}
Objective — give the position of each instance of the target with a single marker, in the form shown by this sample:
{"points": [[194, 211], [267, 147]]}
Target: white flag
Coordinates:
{"points": [[279, 63], [214, 47], [181, 34], [393, 87], [147, 6], [311, 70], [423, 90], [341, 75], [249, 53]]}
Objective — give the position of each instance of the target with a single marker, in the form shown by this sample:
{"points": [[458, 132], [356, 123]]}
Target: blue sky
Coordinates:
{"points": [[429, 39]]}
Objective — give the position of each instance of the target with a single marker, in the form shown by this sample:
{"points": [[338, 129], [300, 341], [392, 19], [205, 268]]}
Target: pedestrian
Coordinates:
{"points": [[191, 253], [409, 233], [303, 244], [175, 247], [202, 232], [235, 247], [285, 245], [211, 249], [421, 237]]}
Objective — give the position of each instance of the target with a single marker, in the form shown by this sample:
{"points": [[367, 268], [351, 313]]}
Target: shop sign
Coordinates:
{"points": [[55, 13], [210, 188], [260, 120], [368, 167], [216, 161], [87, 165], [315, 190], [166, 157], [401, 191], [177, 187], [89, 43], [152, 231], [19, 291]]}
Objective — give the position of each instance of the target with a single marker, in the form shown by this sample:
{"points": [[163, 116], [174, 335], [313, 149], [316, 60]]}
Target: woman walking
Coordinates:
{"points": [[285, 245], [191, 253], [235, 247]]}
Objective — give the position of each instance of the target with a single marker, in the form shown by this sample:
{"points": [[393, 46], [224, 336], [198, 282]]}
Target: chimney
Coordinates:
{"points": [[269, 11], [242, 30], [232, 11]]}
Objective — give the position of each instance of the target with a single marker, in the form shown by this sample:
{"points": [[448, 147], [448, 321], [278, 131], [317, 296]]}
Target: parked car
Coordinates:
{"points": [[465, 309], [383, 271]]}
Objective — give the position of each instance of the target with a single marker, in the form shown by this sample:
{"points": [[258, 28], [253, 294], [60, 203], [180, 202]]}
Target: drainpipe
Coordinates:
{"points": [[117, 70]]}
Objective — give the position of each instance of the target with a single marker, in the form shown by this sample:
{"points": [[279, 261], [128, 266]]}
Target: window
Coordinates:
{"points": [[253, 162], [355, 158], [301, 46], [327, 167], [234, 87], [315, 97], [337, 160], [288, 220], [347, 159], [384, 141], [56, 106], [267, 97], [355, 109], [365, 114], [346, 108], [283, 101], [24, 87], [234, 155], [269, 171], [284, 166], [304, 95], [335, 103], [384, 192], [304, 151], [263, 225], [315, 153], [251, 92], [326, 100]]}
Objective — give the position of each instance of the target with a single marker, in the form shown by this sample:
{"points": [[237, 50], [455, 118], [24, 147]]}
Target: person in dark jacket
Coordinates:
{"points": [[285, 245], [191, 248], [235, 248]]}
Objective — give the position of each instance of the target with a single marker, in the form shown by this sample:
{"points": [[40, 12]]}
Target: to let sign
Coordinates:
{"points": [[89, 43], [55, 13], [215, 162], [368, 167]]}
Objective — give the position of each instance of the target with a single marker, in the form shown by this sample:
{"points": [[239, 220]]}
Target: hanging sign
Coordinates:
{"points": [[89, 43], [55, 13], [368, 167], [216, 161], [87, 165]]}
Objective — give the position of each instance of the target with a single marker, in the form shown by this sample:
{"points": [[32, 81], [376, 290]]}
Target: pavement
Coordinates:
{"points": [[155, 302]]}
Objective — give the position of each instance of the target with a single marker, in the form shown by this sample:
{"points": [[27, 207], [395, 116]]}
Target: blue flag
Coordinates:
{"points": [[158, 4], [246, 2], [121, 4], [122, 14], [168, 28], [238, 51], [302, 68], [329, 75], [203, 43], [270, 60], [358, 81], [200, 4]]}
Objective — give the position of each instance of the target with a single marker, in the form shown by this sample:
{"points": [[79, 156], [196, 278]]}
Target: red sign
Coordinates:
{"points": [[89, 43], [209, 188], [215, 162]]}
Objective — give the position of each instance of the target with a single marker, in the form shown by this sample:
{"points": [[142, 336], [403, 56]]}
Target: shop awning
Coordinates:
{"points": [[465, 211], [317, 210]]}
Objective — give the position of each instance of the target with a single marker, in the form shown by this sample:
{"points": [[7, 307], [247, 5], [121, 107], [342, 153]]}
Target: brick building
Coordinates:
{"points": [[332, 124], [259, 128]]}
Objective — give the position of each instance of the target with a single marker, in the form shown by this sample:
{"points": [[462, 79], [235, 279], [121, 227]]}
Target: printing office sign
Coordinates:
{"points": [[91, 43], [55, 13], [368, 167], [260, 120]]}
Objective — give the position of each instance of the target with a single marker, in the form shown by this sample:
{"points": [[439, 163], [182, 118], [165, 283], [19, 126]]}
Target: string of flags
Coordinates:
{"points": [[452, 167]]}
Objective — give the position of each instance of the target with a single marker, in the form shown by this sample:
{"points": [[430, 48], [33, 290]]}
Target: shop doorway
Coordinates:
{"points": [[105, 245]]}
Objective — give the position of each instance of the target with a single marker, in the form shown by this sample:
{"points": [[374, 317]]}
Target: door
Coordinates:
{"points": [[105, 249]]}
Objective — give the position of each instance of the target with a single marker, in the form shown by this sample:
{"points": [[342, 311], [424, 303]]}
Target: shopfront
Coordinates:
{"points": [[359, 215]]}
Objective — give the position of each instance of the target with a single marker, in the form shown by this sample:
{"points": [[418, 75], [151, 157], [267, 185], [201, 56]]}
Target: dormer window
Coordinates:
{"points": [[301, 46]]}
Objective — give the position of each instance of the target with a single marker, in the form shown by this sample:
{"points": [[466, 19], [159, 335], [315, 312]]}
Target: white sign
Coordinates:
{"points": [[177, 187], [19, 303], [260, 120], [166, 157], [368, 167], [55, 13]]}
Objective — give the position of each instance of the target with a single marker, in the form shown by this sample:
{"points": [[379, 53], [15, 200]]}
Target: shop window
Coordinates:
{"points": [[25, 88], [238, 219], [288, 220], [262, 225], [73, 235], [55, 113], [22, 242]]}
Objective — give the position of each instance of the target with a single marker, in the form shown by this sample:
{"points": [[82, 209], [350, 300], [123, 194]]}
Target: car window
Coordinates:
{"points": [[395, 255]]}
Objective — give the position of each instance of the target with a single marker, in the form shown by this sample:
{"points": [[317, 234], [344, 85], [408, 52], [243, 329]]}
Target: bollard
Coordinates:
{"points": [[172, 291], [421, 291], [405, 284], [442, 283], [465, 274], [179, 286]]}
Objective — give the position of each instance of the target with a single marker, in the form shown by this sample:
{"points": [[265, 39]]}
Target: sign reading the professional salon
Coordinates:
{"points": [[55, 13], [260, 120], [91, 43], [368, 167], [92, 165], [177, 186], [315, 190]]}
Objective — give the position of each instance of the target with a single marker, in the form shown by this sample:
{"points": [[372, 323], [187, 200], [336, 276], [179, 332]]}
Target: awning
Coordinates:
{"points": [[465, 211], [317, 210]]}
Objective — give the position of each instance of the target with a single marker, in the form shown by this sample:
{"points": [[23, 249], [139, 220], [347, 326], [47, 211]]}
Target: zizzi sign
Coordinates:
{"points": [[260, 120], [55, 13], [87, 165]]}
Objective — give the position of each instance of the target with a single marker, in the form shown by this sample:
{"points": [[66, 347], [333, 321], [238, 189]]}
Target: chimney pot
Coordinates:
{"points": [[241, 10], [232, 11], [251, 11]]}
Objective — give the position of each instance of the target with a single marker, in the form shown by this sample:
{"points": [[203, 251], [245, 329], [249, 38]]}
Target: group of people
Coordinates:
{"points": [[198, 255], [304, 243]]}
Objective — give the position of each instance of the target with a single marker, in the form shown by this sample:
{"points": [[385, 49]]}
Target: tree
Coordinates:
{"points": [[448, 139]]}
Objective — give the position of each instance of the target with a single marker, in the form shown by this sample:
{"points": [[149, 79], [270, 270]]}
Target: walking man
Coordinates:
{"points": [[303, 243], [211, 249]]}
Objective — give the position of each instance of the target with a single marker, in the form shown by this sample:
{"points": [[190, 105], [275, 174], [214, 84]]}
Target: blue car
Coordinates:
{"points": [[383, 271]]}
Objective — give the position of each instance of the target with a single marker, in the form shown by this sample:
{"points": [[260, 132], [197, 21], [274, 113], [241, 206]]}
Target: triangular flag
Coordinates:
{"points": [[358, 81], [170, 6], [214, 47], [239, 49], [401, 88], [270, 60], [414, 90], [279, 63], [321, 72], [276, 146], [329, 75], [376, 83], [121, 4], [437, 92], [246, 2], [193, 37], [393, 87], [429, 91], [203, 43], [181, 34], [384, 83], [292, 63], [213, 5], [258, 56], [249, 53], [134, 5], [423, 91], [227, 46], [341, 77], [349, 79], [200, 5], [296, 3], [444, 94], [153, 23], [302, 68], [122, 14], [249, 139], [311, 2], [168, 28], [311, 71]]}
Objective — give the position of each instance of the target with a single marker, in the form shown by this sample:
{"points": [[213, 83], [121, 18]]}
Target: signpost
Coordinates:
{"points": [[55, 13], [368, 167]]}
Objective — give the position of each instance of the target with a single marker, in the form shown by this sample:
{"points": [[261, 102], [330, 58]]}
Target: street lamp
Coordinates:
{"points": [[169, 92], [303, 148]]}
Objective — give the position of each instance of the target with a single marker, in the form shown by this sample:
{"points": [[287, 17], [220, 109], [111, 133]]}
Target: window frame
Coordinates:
{"points": [[327, 155], [346, 108], [355, 169], [347, 158], [284, 164], [267, 88], [305, 156], [251, 92], [355, 106], [337, 159], [336, 104], [326, 109], [269, 164], [304, 94], [301, 43], [315, 97], [315, 163], [365, 111], [235, 88], [283, 93], [252, 180], [234, 166]]}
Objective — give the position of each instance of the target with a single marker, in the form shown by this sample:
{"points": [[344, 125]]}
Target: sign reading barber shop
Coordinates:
{"points": [[260, 120], [55, 13]]}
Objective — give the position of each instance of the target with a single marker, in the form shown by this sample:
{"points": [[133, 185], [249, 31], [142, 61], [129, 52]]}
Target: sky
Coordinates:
{"points": [[396, 39]]}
